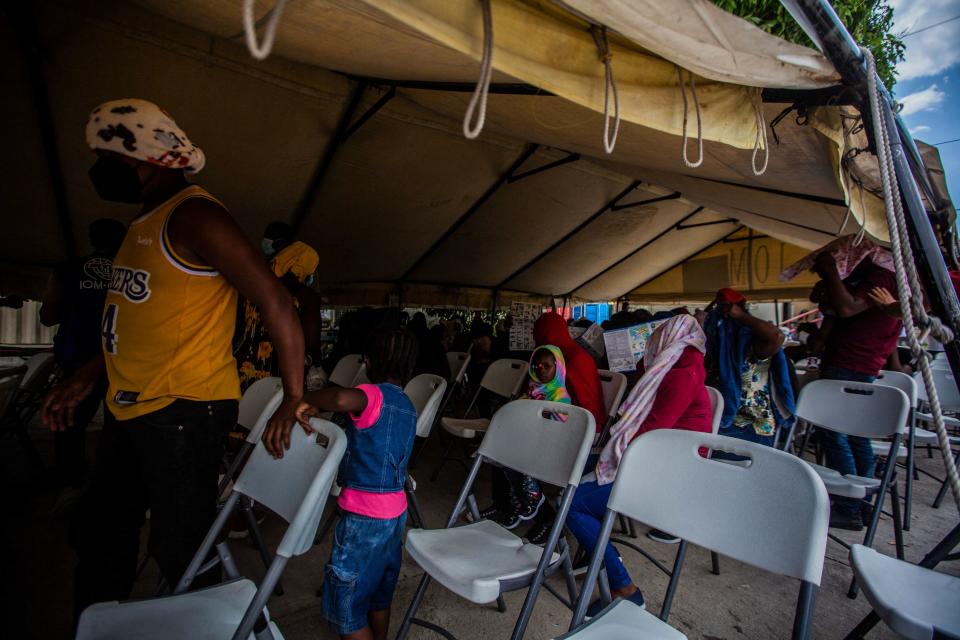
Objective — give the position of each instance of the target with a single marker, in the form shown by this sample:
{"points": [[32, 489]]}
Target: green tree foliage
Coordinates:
{"points": [[869, 21]]}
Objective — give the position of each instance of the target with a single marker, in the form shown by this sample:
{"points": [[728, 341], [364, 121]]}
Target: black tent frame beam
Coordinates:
{"points": [[636, 251], [639, 203], [21, 14], [476, 206], [689, 257], [818, 17], [580, 227], [340, 134], [836, 202], [572, 157]]}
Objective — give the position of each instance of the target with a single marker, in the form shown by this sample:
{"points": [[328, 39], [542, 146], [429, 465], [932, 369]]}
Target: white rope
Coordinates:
{"points": [[696, 106], [609, 87], [479, 97], [906, 268], [761, 136], [262, 50]]}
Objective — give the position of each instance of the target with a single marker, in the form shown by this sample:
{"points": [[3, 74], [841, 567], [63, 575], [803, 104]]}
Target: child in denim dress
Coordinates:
{"points": [[360, 578]]}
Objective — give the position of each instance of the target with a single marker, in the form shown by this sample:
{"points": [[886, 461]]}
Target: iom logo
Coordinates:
{"points": [[132, 284]]}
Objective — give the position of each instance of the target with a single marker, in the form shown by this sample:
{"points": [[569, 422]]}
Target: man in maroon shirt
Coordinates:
{"points": [[860, 337]]}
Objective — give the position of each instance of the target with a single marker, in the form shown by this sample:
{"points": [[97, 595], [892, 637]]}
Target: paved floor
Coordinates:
{"points": [[741, 602]]}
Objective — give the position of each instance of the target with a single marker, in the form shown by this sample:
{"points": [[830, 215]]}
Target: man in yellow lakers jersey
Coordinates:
{"points": [[168, 323]]}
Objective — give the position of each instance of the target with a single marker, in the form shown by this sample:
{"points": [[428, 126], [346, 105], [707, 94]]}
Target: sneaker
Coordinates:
{"points": [[597, 605], [848, 521], [528, 510], [866, 514], [507, 520], [490, 513], [539, 533], [662, 536]]}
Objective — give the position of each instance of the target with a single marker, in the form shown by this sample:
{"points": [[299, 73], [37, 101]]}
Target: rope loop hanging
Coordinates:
{"points": [[911, 306], [696, 106], [260, 51], [599, 34], [478, 101], [761, 137]]}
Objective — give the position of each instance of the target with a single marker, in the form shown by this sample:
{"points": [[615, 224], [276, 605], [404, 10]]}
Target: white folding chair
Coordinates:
{"points": [[348, 371], [868, 411], [614, 385], [949, 396], [256, 407], [426, 391], [482, 560], [503, 378], [737, 511], [295, 488], [882, 448], [458, 362], [916, 602]]}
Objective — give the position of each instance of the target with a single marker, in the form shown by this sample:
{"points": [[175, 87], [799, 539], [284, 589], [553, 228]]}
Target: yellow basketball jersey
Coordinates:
{"points": [[167, 324]]}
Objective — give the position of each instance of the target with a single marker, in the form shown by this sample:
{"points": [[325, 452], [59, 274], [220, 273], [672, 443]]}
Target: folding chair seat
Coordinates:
{"points": [[503, 378], [480, 561], [734, 510], [295, 488], [869, 411], [915, 602]]}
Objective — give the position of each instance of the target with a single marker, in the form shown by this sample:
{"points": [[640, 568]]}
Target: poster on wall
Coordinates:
{"points": [[521, 333], [625, 347]]}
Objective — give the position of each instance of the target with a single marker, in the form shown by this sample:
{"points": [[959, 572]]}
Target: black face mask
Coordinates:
{"points": [[115, 180]]}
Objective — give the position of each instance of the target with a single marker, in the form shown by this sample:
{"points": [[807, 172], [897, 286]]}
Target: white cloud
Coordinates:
{"points": [[926, 100], [935, 50], [915, 131]]}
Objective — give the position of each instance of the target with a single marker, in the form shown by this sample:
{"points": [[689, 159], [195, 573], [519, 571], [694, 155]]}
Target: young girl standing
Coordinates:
{"points": [[360, 578]]}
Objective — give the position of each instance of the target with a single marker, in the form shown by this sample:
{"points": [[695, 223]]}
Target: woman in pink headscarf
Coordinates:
{"points": [[670, 395]]}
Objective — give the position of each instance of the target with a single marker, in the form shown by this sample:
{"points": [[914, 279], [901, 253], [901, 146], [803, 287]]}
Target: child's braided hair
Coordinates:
{"points": [[392, 354]]}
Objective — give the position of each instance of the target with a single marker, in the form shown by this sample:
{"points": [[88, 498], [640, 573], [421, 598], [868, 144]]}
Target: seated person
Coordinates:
{"points": [[670, 395], [748, 367], [517, 497]]}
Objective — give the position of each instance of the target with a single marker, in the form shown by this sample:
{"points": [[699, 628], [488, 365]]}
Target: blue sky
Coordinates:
{"points": [[928, 84]]}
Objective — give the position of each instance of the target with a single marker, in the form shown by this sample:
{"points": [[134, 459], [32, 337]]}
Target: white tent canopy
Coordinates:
{"points": [[400, 205]]}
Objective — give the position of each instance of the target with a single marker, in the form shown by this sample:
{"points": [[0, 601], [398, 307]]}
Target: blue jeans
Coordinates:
{"points": [[748, 434], [586, 514], [850, 455], [363, 570]]}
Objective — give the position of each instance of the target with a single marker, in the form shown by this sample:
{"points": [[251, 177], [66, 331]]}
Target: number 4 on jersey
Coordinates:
{"points": [[109, 329]]}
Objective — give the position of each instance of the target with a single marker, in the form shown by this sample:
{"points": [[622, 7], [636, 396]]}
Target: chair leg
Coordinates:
{"points": [[714, 563], [888, 476], [568, 576], [448, 445], [943, 487], [501, 604], [327, 525], [908, 486], [413, 506], [868, 623], [412, 609], [418, 446], [898, 527]]}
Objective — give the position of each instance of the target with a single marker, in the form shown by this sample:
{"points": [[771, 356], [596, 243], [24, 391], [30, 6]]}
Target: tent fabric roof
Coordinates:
{"points": [[407, 208]]}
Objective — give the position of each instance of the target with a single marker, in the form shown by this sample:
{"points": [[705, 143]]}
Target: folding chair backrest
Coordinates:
{"points": [[361, 377], [426, 393], [899, 381], [614, 385], [39, 368], [504, 377], [458, 361], [255, 400], [9, 385], [296, 486], [854, 408], [946, 385], [347, 369], [525, 435], [771, 513], [716, 408]]}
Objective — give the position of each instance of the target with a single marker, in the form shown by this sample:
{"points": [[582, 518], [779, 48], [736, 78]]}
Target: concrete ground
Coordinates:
{"points": [[742, 602]]}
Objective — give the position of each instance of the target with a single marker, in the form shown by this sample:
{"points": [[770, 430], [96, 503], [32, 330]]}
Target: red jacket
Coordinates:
{"points": [[583, 381], [682, 401]]}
